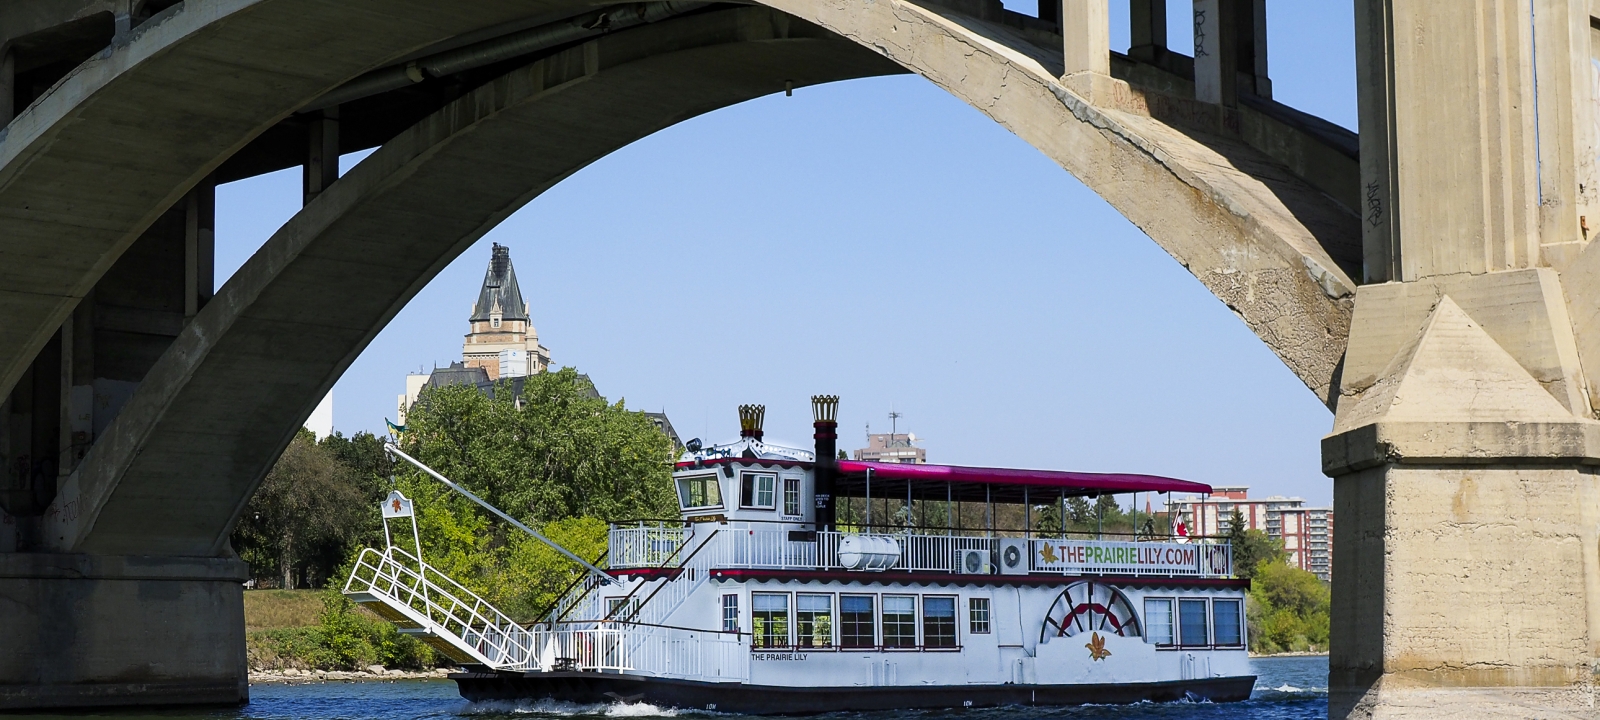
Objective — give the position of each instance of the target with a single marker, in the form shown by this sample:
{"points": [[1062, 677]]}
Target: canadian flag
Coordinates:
{"points": [[1183, 530]]}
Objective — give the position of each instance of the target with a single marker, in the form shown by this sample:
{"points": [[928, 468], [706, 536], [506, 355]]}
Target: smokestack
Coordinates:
{"points": [[825, 421], [750, 419]]}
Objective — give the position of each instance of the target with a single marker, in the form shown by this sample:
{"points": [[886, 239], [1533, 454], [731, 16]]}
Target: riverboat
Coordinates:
{"points": [[794, 582]]}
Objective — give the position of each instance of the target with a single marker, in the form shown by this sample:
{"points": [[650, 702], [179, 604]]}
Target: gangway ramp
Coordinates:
{"points": [[425, 603]]}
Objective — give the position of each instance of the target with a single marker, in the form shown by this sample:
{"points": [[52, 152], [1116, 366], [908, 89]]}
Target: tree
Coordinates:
{"points": [[563, 453], [1288, 608], [561, 460], [1079, 512], [1250, 547], [305, 516]]}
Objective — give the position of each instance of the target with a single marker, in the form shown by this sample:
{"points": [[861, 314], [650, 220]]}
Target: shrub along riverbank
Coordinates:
{"points": [[1287, 609], [338, 636]]}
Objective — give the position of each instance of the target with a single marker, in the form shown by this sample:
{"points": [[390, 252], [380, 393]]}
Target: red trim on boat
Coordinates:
{"points": [[940, 578], [649, 573], [1114, 482], [754, 462]]}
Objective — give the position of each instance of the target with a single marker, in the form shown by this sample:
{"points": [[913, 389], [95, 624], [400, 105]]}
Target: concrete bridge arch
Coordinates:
{"points": [[1256, 200]]}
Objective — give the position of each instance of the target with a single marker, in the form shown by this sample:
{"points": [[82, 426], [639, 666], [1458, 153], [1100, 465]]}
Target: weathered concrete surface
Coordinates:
{"points": [[1470, 586], [1249, 230], [85, 631], [86, 168], [172, 471], [1468, 508]]}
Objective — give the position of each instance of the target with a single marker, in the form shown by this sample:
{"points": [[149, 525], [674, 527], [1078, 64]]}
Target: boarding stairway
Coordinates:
{"points": [[425, 603], [582, 633]]}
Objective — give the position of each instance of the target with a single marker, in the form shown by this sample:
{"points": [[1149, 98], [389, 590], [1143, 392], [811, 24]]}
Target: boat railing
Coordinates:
{"points": [[643, 649], [763, 546], [439, 606], [643, 545]]}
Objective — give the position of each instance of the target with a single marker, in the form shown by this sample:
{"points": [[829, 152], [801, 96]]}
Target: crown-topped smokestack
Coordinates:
{"points": [[825, 421], [750, 419], [825, 409]]}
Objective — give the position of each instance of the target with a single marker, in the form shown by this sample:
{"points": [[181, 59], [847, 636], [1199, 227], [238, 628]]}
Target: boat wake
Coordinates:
{"points": [[560, 709]]}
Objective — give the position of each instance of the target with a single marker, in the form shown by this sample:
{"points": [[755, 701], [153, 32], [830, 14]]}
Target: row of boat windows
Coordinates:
{"points": [[863, 622], [1194, 622], [757, 491]]}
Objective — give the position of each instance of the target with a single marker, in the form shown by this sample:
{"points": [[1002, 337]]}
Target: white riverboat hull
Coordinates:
{"points": [[737, 697]]}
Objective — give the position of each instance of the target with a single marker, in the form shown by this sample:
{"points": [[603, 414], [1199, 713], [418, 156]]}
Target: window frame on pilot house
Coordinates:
{"points": [[751, 494]]}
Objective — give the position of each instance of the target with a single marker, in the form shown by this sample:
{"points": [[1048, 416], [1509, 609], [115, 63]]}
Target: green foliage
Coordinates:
{"points": [[562, 461], [1079, 511], [306, 517], [1288, 609], [1251, 547], [344, 639], [564, 453]]}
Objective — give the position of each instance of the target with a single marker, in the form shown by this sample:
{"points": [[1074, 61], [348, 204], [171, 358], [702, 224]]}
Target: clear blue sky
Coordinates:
{"points": [[883, 241]]}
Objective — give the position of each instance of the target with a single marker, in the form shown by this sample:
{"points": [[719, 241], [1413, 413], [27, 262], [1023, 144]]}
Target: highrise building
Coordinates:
{"points": [[503, 341], [1306, 532], [892, 448]]}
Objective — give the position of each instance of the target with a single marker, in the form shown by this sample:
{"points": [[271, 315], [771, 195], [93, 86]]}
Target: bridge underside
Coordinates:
{"points": [[122, 474]]}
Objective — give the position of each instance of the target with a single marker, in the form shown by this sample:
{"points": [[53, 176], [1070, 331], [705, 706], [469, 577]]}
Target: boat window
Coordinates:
{"points": [[1192, 629], [899, 621], [1225, 622], [699, 491], [769, 613], [791, 496], [813, 621], [938, 622], [978, 610], [758, 491], [1158, 621], [855, 621], [730, 613]]}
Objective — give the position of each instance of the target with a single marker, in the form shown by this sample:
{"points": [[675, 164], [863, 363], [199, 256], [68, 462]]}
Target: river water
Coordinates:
{"points": [[1286, 688]]}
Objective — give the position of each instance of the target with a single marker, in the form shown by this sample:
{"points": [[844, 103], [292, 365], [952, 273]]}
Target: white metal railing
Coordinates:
{"points": [[644, 545], [441, 606], [433, 603], [645, 650], [756, 545]]}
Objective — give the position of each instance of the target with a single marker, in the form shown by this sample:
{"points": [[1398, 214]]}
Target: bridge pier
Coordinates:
{"points": [[1467, 558], [96, 630], [1464, 449]]}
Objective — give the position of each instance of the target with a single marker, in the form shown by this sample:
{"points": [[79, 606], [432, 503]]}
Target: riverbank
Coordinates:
{"points": [[292, 676], [1288, 653]]}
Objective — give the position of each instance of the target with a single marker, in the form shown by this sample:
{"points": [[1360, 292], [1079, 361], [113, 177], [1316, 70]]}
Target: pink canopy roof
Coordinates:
{"points": [[1073, 482]]}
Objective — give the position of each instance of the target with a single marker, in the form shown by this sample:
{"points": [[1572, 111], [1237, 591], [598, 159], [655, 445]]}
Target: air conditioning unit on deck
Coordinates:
{"points": [[973, 562]]}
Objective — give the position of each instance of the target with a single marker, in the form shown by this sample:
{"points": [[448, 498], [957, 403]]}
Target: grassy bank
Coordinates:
{"points": [[321, 630]]}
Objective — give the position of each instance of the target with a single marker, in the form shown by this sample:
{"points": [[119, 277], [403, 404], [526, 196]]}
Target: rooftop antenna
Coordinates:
{"points": [[894, 424]]}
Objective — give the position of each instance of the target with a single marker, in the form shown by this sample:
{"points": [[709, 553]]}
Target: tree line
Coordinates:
{"points": [[558, 458], [1287, 608]]}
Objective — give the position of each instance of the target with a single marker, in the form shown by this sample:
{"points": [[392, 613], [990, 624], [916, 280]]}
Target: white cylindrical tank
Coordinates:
{"points": [[868, 552]]}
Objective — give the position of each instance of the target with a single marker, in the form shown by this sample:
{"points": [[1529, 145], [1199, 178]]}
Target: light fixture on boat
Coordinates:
{"points": [[750, 419]]}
